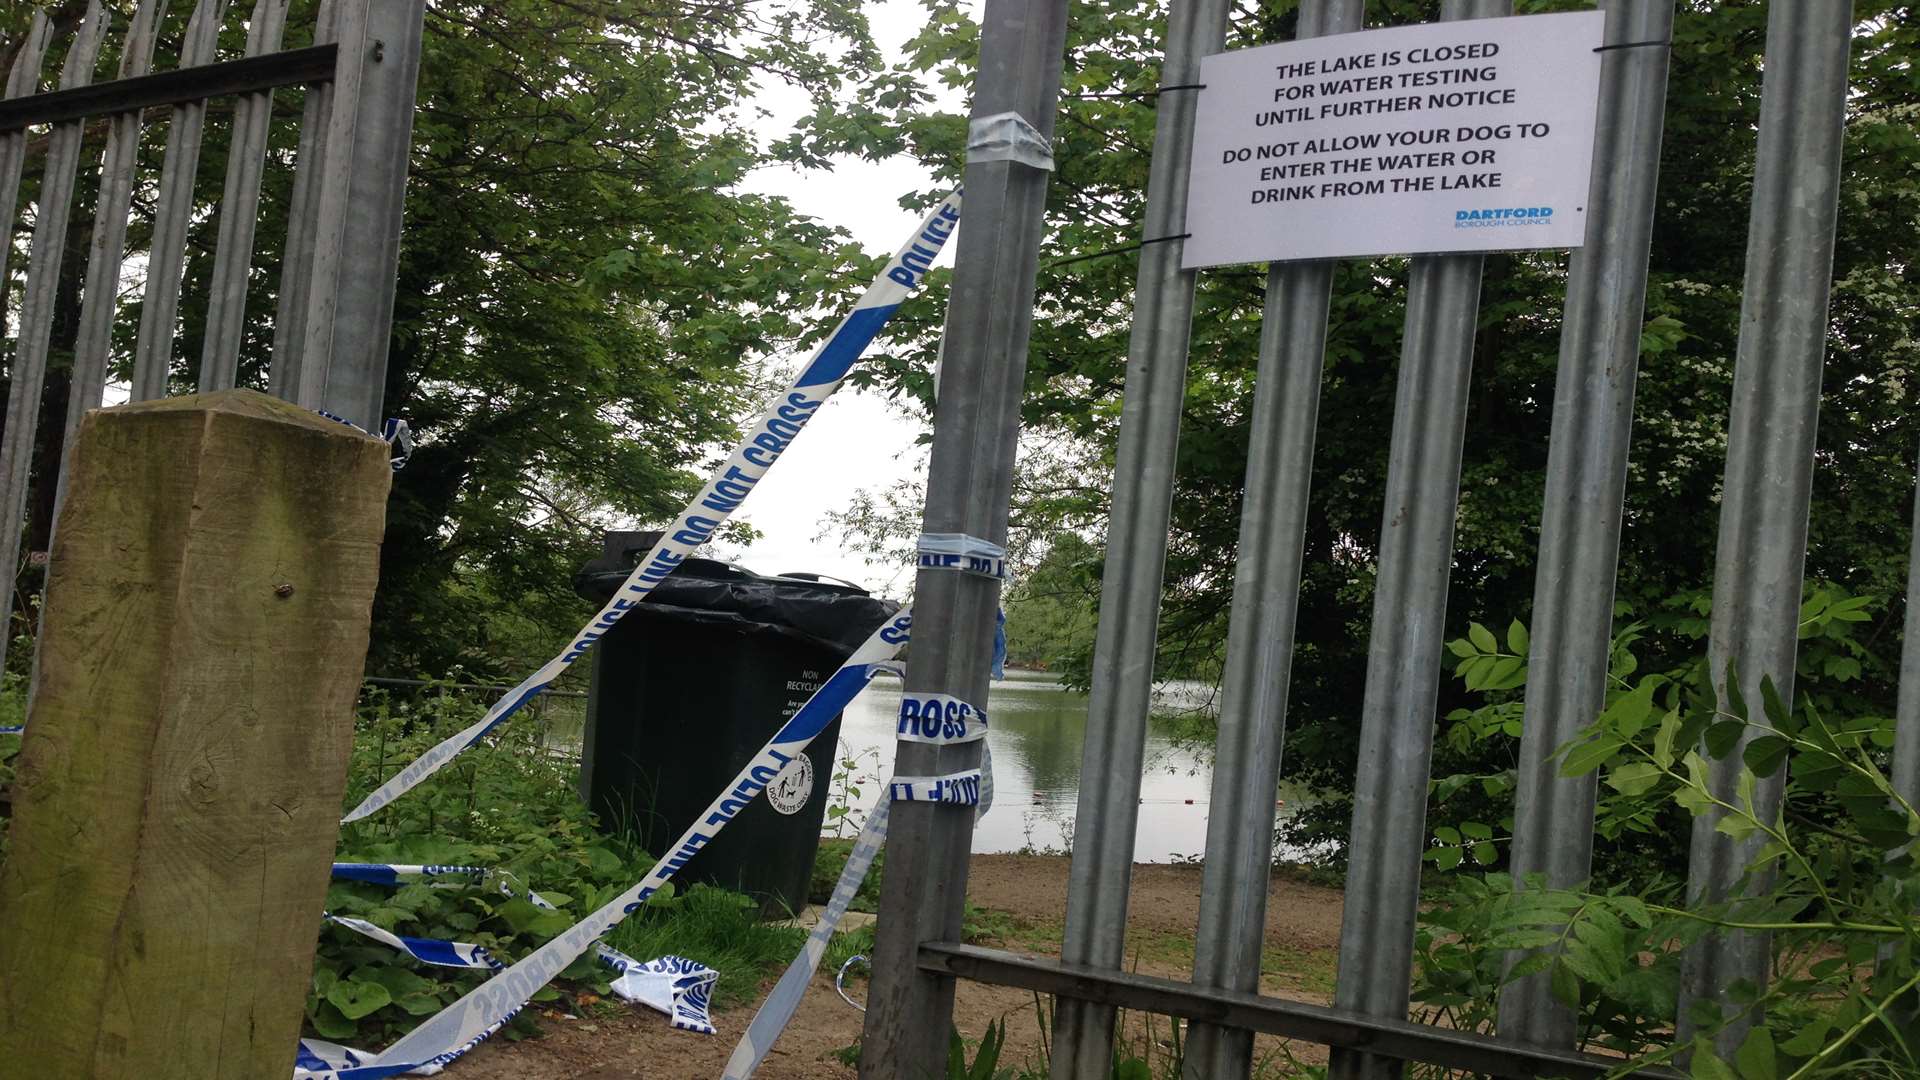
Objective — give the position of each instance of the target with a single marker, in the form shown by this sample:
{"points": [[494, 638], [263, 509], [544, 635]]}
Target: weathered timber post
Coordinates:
{"points": [[179, 787]]}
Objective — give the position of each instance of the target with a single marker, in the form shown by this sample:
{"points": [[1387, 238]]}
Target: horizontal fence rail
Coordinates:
{"points": [[248, 75], [1341, 1029]]}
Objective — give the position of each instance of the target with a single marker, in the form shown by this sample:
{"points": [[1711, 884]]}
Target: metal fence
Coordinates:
{"points": [[1756, 597], [336, 281]]}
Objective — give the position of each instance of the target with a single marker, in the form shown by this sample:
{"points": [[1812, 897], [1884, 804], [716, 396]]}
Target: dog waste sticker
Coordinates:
{"points": [[1474, 135]]}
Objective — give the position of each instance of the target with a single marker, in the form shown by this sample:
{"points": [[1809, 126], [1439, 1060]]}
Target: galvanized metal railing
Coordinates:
{"points": [[1756, 594], [337, 277]]}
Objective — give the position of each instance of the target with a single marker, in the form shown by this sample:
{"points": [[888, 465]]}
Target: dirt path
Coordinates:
{"points": [[1024, 903]]}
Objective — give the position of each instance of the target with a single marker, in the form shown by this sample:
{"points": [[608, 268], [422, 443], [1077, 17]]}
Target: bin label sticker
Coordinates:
{"points": [[789, 791]]}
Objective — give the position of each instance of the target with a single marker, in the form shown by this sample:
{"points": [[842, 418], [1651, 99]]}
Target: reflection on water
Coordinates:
{"points": [[1037, 736]]}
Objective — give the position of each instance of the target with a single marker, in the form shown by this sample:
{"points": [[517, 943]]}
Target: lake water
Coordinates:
{"points": [[1037, 736]]}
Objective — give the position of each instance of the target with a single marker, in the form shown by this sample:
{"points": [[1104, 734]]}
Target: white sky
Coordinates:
{"points": [[858, 440]]}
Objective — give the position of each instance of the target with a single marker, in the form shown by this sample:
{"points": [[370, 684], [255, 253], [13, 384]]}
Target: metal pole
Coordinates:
{"points": [[1586, 483], [339, 361], [1408, 636], [1122, 677], [1906, 740], [1770, 445], [969, 483], [1266, 600], [29, 373]]}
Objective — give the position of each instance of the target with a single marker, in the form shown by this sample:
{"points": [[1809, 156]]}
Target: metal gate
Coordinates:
{"points": [[335, 297], [1756, 596]]}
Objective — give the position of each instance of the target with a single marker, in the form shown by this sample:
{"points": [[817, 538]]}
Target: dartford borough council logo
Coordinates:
{"points": [[788, 792]]}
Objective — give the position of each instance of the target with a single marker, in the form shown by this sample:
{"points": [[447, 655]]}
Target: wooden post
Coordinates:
{"points": [[179, 789]]}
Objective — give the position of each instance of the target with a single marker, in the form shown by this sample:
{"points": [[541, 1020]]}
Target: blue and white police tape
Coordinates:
{"points": [[840, 979], [939, 718], [777, 1011], [505, 883], [681, 988], [13, 729], [767, 438], [958, 551], [960, 788], [453, 954], [461, 1026]]}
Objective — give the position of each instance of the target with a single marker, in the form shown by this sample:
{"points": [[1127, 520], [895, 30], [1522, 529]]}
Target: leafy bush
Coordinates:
{"points": [[509, 803], [1832, 884]]}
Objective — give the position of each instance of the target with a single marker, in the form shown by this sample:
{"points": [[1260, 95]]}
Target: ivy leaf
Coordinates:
{"points": [[356, 998]]}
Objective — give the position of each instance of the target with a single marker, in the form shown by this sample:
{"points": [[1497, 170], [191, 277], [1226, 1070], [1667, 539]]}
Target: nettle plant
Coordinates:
{"points": [[1832, 882]]}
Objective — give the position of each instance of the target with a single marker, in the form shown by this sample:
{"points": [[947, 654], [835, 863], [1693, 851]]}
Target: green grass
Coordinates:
{"points": [[717, 928]]}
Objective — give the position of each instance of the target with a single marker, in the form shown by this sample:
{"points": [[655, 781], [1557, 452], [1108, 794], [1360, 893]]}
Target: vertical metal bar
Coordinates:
{"points": [[1586, 483], [1266, 600], [1408, 636], [98, 300], [166, 265], [22, 80], [1906, 740], [356, 204], [1770, 445], [296, 264], [970, 479], [1122, 677], [239, 209], [36, 311]]}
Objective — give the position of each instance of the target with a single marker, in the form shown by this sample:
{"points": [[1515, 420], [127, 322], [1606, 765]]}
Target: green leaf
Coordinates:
{"points": [[1564, 985], [1476, 830], [1483, 638], [1722, 737], [1663, 739], [1755, 1059], [356, 999], [1585, 757], [1517, 638], [1462, 648], [1485, 853], [328, 1022], [1634, 778], [1737, 826], [1706, 1066], [1766, 754]]}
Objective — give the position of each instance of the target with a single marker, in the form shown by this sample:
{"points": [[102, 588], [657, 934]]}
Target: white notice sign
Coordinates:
{"points": [[1474, 135]]}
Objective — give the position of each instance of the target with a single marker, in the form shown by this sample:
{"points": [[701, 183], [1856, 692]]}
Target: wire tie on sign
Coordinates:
{"points": [[1632, 45], [1071, 259], [1008, 136], [1137, 93], [930, 717], [958, 551]]}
